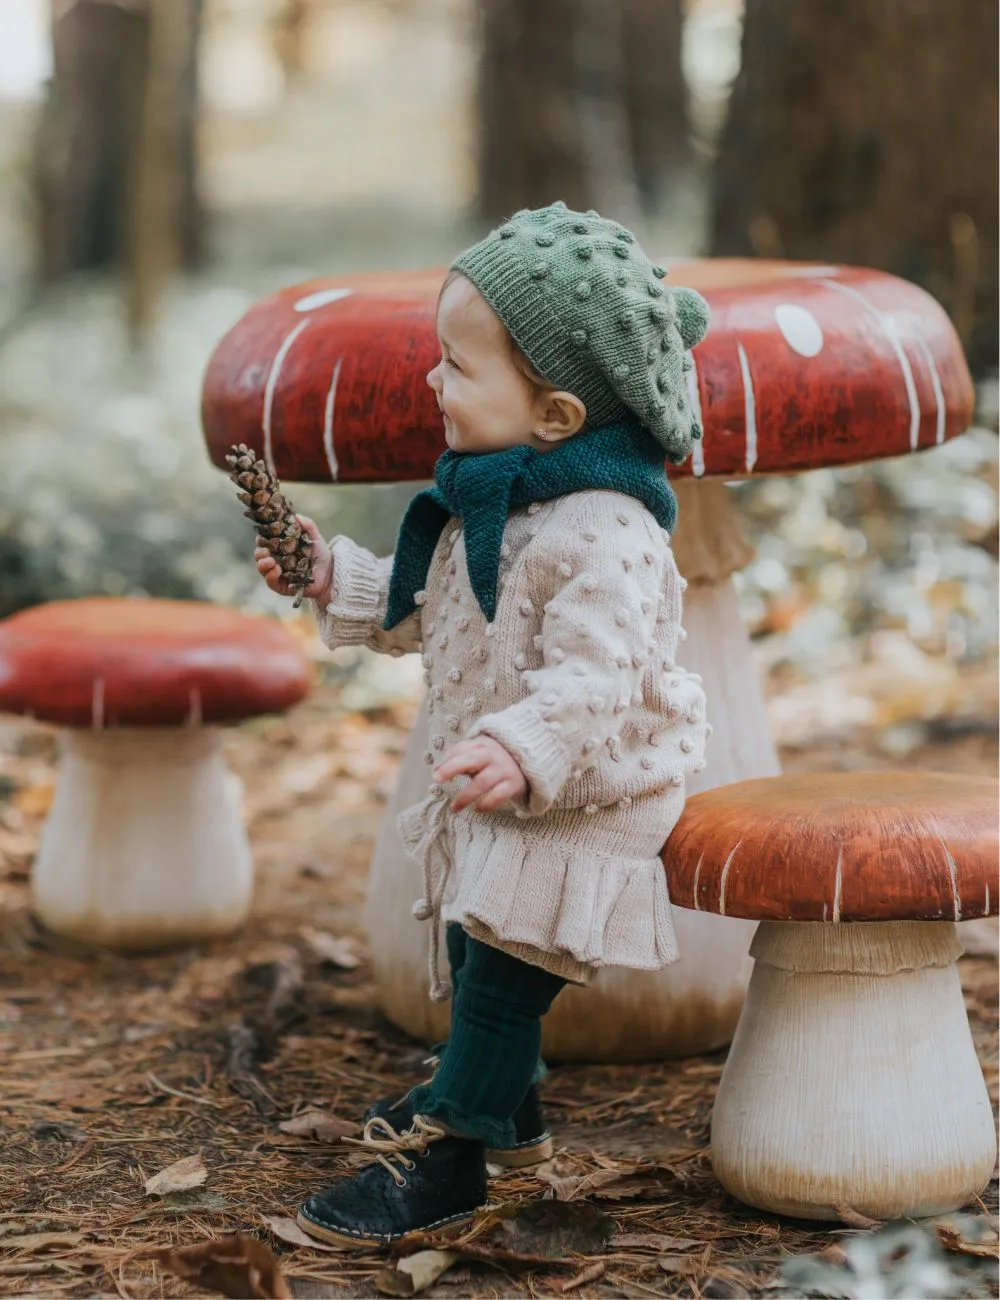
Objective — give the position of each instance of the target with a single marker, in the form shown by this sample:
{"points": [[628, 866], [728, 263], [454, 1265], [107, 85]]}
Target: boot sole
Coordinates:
{"points": [[450, 1228], [519, 1157]]}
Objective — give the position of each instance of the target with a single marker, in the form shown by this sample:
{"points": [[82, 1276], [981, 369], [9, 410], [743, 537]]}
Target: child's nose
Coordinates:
{"points": [[434, 378]]}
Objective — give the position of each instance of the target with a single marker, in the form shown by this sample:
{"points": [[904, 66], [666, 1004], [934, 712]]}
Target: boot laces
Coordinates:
{"points": [[387, 1146]]}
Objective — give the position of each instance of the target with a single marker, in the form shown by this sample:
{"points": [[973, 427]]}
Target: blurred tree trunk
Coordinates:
{"points": [[655, 93], [289, 34], [162, 226], [867, 133], [116, 152], [552, 117]]}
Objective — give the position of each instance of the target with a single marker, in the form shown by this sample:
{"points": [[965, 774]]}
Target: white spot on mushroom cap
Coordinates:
{"points": [[322, 298], [799, 328]]}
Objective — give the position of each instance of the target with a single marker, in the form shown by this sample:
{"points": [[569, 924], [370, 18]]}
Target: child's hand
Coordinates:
{"points": [[496, 777], [270, 570]]}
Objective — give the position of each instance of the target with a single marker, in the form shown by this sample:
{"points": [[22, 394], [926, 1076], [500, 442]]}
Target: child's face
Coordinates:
{"points": [[487, 403]]}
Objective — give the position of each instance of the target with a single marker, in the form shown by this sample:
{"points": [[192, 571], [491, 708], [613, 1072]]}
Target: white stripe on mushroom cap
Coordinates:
{"points": [[271, 385], [939, 407], [953, 874], [331, 398], [904, 365], [694, 396], [749, 410]]}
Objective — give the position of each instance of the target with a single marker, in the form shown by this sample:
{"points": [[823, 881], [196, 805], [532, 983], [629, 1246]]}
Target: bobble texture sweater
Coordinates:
{"points": [[576, 677]]}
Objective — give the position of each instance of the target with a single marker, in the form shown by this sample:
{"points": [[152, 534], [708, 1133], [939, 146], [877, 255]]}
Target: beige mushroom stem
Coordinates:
{"points": [[692, 1006], [852, 1081], [144, 846]]}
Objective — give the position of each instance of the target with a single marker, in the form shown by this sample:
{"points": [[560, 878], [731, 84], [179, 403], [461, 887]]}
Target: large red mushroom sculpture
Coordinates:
{"points": [[802, 367], [144, 846]]}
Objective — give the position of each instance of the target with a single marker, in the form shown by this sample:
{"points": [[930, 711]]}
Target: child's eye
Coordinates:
{"points": [[454, 364]]}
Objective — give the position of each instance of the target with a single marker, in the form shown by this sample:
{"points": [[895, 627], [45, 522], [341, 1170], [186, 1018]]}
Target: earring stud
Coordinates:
{"points": [[543, 434]]}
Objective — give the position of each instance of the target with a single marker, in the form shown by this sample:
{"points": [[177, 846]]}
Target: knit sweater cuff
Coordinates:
{"points": [[357, 596], [536, 747]]}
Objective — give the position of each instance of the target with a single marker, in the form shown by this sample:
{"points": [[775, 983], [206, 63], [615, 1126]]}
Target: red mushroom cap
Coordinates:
{"points": [[146, 663], [802, 367], [856, 846]]}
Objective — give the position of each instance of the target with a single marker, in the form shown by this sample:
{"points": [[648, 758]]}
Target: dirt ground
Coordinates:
{"points": [[114, 1068]]}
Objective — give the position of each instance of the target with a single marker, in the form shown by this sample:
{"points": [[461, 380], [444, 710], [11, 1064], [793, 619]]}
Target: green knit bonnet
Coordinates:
{"points": [[585, 305]]}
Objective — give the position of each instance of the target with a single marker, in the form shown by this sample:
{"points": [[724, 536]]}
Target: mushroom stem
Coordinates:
{"points": [[852, 1080], [144, 846], [692, 1006]]}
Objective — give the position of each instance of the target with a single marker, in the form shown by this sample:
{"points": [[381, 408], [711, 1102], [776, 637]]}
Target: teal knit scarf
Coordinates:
{"points": [[481, 490]]}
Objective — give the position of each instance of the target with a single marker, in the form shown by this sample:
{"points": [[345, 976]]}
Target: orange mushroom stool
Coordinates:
{"points": [[852, 1082], [144, 845], [803, 366]]}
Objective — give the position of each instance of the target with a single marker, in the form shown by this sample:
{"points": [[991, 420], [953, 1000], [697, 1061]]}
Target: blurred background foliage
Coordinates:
{"points": [[163, 163]]}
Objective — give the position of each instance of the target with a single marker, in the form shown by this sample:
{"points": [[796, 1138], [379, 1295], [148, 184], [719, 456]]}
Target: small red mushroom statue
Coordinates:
{"points": [[144, 845], [802, 367], [852, 1083]]}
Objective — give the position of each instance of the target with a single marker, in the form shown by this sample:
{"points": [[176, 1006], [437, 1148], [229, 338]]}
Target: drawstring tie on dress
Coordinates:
{"points": [[425, 833]]}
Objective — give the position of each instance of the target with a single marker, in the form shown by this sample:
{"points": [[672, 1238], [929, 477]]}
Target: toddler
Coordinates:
{"points": [[536, 579]]}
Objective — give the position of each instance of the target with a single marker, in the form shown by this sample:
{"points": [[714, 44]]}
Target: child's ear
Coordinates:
{"points": [[561, 415]]}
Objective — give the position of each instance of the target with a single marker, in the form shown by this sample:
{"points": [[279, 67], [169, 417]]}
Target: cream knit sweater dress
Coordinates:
{"points": [[577, 678]]}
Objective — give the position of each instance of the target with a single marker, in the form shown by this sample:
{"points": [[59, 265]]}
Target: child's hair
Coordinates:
{"points": [[520, 361]]}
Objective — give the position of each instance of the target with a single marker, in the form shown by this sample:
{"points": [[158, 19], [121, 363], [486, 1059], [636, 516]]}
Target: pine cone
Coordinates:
{"points": [[277, 526]]}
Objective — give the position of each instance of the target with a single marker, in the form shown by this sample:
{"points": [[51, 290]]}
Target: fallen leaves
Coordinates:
{"points": [[683, 1265], [592, 1273], [181, 1176], [614, 1181], [288, 1231], [415, 1273], [32, 1243], [343, 953], [552, 1229], [237, 1266], [969, 1234], [655, 1241], [320, 1126], [530, 1234]]}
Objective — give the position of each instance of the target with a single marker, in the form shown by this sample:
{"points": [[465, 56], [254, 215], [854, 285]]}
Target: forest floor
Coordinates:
{"points": [[114, 1068]]}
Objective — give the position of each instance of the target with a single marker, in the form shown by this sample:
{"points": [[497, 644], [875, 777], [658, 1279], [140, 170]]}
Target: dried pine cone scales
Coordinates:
{"points": [[277, 525]]}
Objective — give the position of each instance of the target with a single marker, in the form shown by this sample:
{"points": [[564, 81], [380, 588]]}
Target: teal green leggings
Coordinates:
{"points": [[492, 1054]]}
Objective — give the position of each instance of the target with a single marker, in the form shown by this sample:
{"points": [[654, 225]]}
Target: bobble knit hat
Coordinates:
{"points": [[585, 305]]}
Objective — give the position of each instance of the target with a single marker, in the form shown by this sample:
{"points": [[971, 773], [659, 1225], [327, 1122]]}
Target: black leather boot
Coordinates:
{"points": [[533, 1141], [420, 1180]]}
